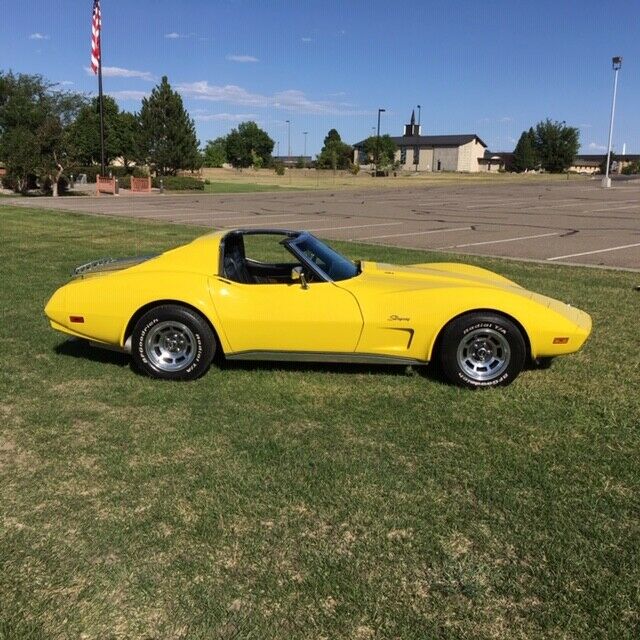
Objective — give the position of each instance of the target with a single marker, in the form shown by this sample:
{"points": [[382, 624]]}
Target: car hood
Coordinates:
{"points": [[431, 275]]}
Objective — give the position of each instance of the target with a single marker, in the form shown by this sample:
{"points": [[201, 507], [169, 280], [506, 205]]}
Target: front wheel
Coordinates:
{"points": [[479, 350], [172, 343]]}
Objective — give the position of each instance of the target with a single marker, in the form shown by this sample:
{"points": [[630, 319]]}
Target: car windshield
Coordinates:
{"points": [[337, 267]]}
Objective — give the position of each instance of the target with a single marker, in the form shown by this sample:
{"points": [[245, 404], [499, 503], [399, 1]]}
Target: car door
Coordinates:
{"points": [[287, 317]]}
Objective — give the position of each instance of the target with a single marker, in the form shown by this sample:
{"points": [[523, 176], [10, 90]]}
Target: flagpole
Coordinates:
{"points": [[102, 163]]}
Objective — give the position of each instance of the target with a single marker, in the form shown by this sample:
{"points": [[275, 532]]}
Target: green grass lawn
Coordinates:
{"points": [[244, 187], [295, 501]]}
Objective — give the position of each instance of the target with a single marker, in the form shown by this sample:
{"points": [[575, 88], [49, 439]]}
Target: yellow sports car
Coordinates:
{"points": [[285, 295]]}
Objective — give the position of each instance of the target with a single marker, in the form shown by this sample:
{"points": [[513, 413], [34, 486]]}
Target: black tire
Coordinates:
{"points": [[480, 350], [171, 342]]}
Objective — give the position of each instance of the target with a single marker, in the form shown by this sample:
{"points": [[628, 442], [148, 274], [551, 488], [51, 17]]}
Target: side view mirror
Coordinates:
{"points": [[297, 275]]}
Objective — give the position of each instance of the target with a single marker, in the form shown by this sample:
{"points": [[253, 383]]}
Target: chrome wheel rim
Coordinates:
{"points": [[483, 354], [170, 346]]}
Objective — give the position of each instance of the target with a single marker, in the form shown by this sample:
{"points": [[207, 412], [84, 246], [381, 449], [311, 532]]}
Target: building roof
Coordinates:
{"points": [[601, 157], [432, 141]]}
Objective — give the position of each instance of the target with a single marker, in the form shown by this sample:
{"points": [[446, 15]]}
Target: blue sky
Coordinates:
{"points": [[492, 68]]}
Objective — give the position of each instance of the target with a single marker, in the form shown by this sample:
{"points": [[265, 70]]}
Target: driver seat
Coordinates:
{"points": [[235, 267]]}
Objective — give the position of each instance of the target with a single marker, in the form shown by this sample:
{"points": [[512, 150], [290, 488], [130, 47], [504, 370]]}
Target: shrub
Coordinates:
{"points": [[93, 170], [179, 183], [631, 169], [278, 167], [9, 182], [354, 168]]}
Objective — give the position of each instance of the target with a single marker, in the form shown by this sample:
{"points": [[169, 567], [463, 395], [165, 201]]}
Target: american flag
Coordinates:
{"points": [[96, 26]]}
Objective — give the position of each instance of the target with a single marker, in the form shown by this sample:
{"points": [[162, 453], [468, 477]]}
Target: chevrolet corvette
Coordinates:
{"points": [[286, 295]]}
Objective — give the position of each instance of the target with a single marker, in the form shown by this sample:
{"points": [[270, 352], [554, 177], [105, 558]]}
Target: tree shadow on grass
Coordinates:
{"points": [[78, 348]]}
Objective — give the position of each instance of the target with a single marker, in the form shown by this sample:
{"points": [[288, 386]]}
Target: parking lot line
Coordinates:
{"points": [[415, 233], [358, 226], [588, 253], [477, 244]]}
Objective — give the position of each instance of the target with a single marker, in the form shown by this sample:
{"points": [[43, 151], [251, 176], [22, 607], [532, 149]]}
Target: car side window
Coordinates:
{"points": [[258, 259]]}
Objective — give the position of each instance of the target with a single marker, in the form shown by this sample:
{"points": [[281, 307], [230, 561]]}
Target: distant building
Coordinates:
{"points": [[460, 152], [590, 163], [294, 161]]}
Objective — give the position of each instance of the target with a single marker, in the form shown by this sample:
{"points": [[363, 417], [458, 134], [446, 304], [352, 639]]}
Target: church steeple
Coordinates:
{"points": [[412, 129]]}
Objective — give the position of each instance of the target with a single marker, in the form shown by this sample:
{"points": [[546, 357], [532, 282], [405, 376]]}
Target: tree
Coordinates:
{"points": [[248, 145], [121, 133], [34, 121], [525, 156], [384, 149], [214, 154], [556, 145], [334, 154], [167, 133]]}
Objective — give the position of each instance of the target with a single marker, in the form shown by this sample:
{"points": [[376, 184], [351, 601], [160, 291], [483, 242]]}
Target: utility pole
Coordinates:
{"points": [[289, 139], [616, 64], [378, 141], [304, 155]]}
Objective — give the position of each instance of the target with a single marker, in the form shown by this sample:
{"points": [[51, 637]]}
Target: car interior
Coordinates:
{"points": [[239, 268]]}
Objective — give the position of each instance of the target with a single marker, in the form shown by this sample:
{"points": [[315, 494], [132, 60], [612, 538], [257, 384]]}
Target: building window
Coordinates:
{"points": [[403, 155], [416, 156], [362, 157], [439, 166]]}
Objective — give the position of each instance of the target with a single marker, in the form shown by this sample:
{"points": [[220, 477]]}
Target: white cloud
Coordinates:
{"points": [[174, 35], [290, 100], [597, 147], [306, 39], [66, 83], [236, 58], [38, 36], [225, 117], [128, 95], [119, 72]]}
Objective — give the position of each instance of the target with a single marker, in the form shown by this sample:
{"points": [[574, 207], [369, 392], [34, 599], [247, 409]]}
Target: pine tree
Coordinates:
{"points": [[335, 154], [525, 156], [167, 133]]}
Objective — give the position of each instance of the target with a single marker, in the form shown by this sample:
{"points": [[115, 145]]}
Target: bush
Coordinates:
{"points": [[631, 169], [93, 170], [9, 182], [278, 167], [354, 168], [179, 183]]}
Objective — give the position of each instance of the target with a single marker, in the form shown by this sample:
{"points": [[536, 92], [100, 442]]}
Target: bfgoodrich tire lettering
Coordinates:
{"points": [[481, 349], [173, 343]]}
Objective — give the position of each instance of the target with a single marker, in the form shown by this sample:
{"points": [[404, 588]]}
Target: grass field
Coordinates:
{"points": [[298, 501], [244, 187], [312, 179]]}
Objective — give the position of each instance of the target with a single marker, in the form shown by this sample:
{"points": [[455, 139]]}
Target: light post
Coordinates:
{"points": [[616, 63], [304, 155], [289, 139], [416, 158], [378, 141]]}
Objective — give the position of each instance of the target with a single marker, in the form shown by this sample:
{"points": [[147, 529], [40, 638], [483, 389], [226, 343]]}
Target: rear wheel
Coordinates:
{"points": [[172, 343], [482, 350]]}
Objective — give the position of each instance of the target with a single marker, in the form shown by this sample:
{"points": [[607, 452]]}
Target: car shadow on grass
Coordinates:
{"points": [[78, 348], [430, 371]]}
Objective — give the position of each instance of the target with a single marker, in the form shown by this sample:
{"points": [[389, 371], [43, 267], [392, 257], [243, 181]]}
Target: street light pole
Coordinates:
{"points": [[616, 64], [289, 139], [378, 141], [417, 154], [304, 155]]}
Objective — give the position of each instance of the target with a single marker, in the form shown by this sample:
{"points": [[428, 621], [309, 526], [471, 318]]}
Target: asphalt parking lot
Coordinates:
{"points": [[576, 222]]}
